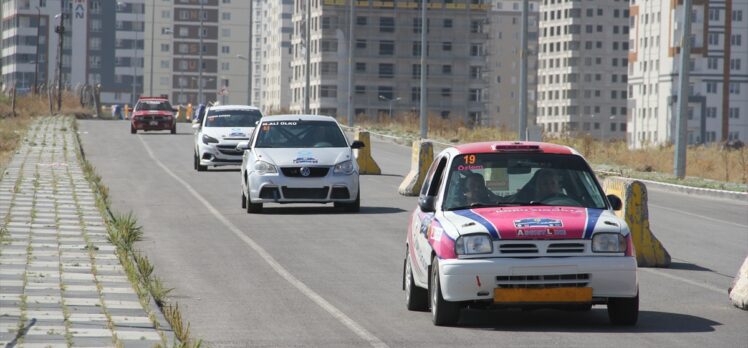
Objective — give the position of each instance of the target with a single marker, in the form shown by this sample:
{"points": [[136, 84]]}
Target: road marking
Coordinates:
{"points": [[685, 280], [308, 292], [697, 215]]}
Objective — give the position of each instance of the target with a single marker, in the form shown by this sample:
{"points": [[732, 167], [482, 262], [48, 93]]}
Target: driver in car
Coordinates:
{"points": [[547, 184], [476, 191]]}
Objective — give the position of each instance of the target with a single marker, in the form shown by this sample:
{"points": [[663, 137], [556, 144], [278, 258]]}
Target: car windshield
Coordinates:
{"points": [[500, 179], [153, 105], [232, 118], [300, 134]]}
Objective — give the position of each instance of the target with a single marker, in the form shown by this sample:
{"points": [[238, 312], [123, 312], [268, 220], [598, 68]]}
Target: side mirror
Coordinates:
{"points": [[426, 203], [357, 144], [242, 146], [615, 202], [195, 126]]}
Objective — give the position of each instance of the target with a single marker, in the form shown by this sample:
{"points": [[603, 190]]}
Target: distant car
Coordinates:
{"points": [[153, 114], [218, 133], [299, 159], [517, 224]]}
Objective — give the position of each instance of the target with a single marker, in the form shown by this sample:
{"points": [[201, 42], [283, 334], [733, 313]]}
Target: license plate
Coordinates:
{"points": [[550, 295], [154, 123]]}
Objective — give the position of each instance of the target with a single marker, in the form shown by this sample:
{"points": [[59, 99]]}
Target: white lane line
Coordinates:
{"points": [[685, 280], [697, 215], [308, 292]]}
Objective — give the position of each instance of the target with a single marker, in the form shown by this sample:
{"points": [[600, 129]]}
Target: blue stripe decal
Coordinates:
{"points": [[592, 216], [470, 214]]}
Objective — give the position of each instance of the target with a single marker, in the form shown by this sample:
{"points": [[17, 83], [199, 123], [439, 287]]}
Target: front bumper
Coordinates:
{"points": [[607, 276], [221, 154], [151, 124], [283, 189]]}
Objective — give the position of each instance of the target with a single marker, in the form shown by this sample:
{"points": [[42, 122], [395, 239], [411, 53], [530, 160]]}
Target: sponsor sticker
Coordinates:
{"points": [[538, 222], [305, 157]]}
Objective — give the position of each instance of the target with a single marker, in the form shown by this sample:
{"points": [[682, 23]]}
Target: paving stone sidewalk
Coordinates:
{"points": [[61, 283]]}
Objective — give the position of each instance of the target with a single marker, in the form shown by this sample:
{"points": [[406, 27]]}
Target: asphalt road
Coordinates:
{"points": [[311, 276]]}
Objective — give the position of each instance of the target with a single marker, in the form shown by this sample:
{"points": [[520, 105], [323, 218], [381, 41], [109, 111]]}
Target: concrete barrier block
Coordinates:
{"points": [[739, 290], [423, 155], [366, 163], [649, 251]]}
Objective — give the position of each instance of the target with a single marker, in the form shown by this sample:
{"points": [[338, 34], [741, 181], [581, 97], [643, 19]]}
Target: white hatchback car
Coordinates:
{"points": [[218, 133], [299, 159]]}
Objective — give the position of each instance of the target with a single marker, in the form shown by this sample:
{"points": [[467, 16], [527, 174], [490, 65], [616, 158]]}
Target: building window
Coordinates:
{"points": [[360, 44], [386, 70], [360, 89], [328, 91], [361, 21], [386, 48], [225, 49], [360, 67], [386, 25]]}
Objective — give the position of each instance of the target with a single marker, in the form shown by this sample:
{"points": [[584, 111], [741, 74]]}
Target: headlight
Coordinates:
{"points": [[264, 168], [473, 244], [345, 167], [207, 139], [608, 243]]}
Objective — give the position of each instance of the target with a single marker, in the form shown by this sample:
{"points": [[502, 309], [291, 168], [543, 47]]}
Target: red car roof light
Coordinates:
{"points": [[518, 147]]}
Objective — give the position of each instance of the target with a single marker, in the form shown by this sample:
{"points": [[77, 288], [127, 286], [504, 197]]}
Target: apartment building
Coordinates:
{"points": [[504, 57], [198, 50], [386, 58], [29, 48], [718, 100], [582, 68], [274, 56]]}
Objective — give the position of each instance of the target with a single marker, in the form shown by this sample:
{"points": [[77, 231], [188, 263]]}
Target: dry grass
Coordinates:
{"points": [[12, 129], [707, 162]]}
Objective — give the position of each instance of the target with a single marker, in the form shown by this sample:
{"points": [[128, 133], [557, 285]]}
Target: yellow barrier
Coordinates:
{"points": [[189, 112], [423, 155], [649, 251], [739, 289], [366, 164], [127, 111]]}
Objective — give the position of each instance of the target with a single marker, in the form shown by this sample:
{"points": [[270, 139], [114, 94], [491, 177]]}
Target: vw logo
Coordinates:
{"points": [[304, 171]]}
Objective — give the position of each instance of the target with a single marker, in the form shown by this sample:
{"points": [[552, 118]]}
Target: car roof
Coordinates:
{"points": [[233, 107], [514, 147], [154, 99], [298, 118]]}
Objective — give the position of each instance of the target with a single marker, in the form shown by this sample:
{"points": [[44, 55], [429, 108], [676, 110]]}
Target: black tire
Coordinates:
{"points": [[416, 299], [133, 130], [350, 207], [443, 312], [623, 311], [198, 166], [174, 129], [253, 208], [244, 201], [194, 161]]}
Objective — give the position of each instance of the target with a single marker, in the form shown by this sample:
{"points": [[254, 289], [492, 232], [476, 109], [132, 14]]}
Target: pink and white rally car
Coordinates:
{"points": [[517, 224]]}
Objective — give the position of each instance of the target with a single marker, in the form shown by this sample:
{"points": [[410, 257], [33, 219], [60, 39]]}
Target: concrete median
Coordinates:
{"points": [[422, 156], [366, 163], [633, 193], [739, 290]]}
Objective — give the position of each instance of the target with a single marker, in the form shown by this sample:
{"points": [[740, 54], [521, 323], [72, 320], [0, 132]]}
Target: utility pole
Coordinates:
{"points": [[350, 65], [36, 64], [153, 38], [522, 130], [134, 98], [681, 125], [60, 30], [249, 57], [308, 54], [200, 60], [423, 114]]}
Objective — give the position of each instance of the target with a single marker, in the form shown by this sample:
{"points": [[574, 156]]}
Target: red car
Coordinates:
{"points": [[153, 113]]}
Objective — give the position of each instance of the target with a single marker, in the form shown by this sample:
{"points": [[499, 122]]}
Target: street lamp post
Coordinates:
{"points": [[36, 66], [249, 74], [200, 62], [391, 101]]}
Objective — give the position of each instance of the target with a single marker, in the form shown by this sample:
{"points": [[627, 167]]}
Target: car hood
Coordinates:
{"points": [[228, 133], [534, 222], [289, 157]]}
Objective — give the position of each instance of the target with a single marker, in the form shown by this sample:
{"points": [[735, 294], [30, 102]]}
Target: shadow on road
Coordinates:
{"points": [[595, 320], [326, 210], [687, 266]]}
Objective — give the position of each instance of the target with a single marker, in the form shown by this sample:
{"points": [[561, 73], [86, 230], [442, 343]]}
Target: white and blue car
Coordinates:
{"points": [[299, 159], [218, 133]]}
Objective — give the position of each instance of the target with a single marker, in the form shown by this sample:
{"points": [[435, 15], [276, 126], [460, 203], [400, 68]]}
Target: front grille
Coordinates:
{"points": [[540, 248], [518, 249], [152, 118], [305, 193], [229, 150], [579, 280], [314, 172], [340, 193], [565, 248], [269, 193]]}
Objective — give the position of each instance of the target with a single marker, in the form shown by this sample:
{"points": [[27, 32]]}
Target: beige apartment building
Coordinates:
{"points": [[386, 58], [273, 55], [718, 101], [582, 68], [173, 35]]}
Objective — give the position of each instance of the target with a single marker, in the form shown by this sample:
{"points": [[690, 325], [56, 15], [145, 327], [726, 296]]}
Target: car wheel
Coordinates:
{"points": [[416, 299], [194, 161], [443, 312], [133, 130], [198, 166], [623, 311], [253, 208], [174, 129], [352, 207], [244, 201]]}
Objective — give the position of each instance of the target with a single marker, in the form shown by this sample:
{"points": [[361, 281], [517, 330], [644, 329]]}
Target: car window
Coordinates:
{"points": [[522, 179], [153, 105], [232, 118], [300, 134]]}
